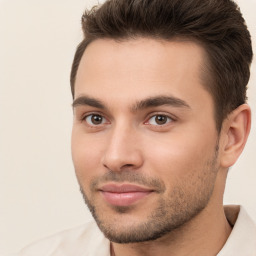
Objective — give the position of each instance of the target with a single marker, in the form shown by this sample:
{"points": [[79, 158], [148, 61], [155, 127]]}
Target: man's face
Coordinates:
{"points": [[144, 141]]}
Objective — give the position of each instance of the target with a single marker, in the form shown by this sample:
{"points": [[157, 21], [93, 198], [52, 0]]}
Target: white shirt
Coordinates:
{"points": [[88, 240]]}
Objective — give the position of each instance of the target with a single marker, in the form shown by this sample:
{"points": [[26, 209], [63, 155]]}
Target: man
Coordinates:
{"points": [[160, 115]]}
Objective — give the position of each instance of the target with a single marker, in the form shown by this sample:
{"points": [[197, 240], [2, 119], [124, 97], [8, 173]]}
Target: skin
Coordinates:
{"points": [[182, 159]]}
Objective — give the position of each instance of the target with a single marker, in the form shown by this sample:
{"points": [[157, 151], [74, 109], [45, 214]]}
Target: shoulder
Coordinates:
{"points": [[83, 240]]}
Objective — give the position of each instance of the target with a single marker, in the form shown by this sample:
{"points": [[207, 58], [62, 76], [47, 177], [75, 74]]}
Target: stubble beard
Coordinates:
{"points": [[184, 202]]}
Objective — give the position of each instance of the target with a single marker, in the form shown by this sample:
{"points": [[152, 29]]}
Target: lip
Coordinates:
{"points": [[124, 194]]}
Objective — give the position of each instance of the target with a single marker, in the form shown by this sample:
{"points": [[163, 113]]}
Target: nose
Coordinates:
{"points": [[122, 151]]}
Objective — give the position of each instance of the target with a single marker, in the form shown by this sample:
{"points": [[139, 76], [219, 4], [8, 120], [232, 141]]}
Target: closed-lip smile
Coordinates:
{"points": [[123, 194]]}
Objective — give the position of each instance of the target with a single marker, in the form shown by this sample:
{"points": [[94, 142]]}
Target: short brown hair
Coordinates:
{"points": [[217, 25]]}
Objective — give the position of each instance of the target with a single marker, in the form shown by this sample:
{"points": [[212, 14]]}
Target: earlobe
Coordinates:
{"points": [[236, 130]]}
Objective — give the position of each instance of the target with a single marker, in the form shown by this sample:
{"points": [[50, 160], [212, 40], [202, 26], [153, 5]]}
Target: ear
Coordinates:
{"points": [[234, 134]]}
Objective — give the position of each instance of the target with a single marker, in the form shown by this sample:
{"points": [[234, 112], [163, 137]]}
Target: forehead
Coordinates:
{"points": [[139, 68]]}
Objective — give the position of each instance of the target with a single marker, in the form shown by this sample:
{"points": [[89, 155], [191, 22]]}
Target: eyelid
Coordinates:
{"points": [[90, 122], [87, 114], [107, 120], [172, 117]]}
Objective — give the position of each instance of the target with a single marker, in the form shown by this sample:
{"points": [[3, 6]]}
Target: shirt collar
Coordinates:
{"points": [[242, 240]]}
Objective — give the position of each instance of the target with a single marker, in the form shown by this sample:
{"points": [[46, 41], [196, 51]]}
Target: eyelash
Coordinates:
{"points": [[168, 117], [83, 119]]}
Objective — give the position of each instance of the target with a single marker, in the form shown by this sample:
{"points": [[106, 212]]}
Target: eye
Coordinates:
{"points": [[95, 119], [159, 120]]}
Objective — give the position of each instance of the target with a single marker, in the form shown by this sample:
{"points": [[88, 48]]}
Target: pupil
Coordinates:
{"points": [[161, 119], [96, 119]]}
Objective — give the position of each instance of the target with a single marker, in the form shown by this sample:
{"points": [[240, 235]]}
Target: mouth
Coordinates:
{"points": [[124, 194]]}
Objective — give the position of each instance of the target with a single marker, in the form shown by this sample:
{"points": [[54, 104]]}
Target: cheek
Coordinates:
{"points": [[86, 156], [185, 171], [175, 156]]}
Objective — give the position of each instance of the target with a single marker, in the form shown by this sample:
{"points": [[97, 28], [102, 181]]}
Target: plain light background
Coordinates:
{"points": [[39, 194]]}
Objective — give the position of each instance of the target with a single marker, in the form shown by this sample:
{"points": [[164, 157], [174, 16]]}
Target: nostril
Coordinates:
{"points": [[127, 165], [123, 167]]}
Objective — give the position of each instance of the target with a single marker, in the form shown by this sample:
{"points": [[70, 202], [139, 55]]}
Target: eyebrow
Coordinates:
{"points": [[85, 100], [155, 101]]}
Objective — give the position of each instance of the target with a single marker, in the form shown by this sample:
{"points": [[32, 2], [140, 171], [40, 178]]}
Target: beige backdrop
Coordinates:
{"points": [[38, 190]]}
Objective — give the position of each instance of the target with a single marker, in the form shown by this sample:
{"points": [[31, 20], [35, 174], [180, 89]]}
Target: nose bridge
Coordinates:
{"points": [[122, 149]]}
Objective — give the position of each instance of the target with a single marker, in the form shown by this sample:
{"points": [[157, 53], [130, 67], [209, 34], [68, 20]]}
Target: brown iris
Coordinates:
{"points": [[96, 119], [160, 119]]}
